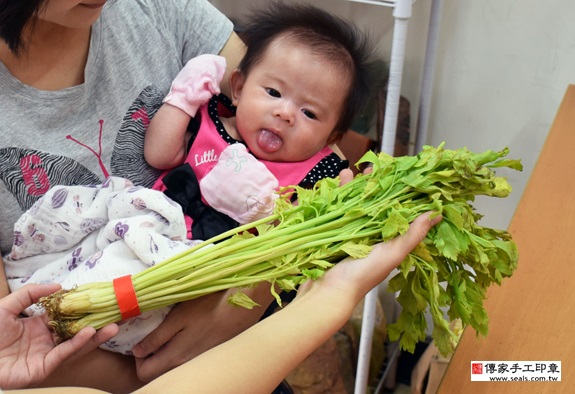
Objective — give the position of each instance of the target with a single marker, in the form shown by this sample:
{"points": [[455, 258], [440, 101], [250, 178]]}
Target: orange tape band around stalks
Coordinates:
{"points": [[126, 297]]}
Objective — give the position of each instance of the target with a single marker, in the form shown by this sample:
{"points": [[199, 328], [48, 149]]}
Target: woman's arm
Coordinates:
{"points": [[4, 289], [233, 51], [257, 360], [196, 326], [99, 369]]}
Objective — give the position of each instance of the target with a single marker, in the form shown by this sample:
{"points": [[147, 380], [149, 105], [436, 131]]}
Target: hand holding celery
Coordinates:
{"points": [[330, 223]]}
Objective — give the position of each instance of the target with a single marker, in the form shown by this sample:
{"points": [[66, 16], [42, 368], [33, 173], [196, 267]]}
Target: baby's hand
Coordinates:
{"points": [[240, 186], [196, 83]]}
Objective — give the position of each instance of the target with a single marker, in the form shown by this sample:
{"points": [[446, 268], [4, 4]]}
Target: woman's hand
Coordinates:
{"points": [[28, 352], [358, 277]]}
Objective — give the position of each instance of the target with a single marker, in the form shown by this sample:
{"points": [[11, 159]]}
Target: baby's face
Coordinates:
{"points": [[289, 103]]}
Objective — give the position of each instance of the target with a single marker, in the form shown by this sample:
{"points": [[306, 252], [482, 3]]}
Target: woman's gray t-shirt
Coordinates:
{"points": [[85, 133]]}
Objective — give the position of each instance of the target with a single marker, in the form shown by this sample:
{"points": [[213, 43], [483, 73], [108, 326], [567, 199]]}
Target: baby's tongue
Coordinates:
{"points": [[268, 141]]}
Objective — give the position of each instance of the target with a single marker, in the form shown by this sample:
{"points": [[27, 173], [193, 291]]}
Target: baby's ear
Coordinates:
{"points": [[335, 137], [236, 85]]}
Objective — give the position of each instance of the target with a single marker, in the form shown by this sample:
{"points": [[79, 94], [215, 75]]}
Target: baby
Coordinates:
{"points": [[303, 79]]}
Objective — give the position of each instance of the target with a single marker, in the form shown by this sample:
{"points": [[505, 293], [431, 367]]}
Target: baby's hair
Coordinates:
{"points": [[328, 36]]}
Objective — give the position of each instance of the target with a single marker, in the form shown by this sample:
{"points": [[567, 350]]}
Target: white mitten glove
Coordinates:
{"points": [[240, 186], [196, 83]]}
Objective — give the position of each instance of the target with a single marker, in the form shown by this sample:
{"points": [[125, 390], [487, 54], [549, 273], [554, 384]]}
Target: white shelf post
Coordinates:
{"points": [[402, 13]]}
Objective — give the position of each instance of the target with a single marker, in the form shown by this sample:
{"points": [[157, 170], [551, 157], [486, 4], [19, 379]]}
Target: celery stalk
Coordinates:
{"points": [[332, 222]]}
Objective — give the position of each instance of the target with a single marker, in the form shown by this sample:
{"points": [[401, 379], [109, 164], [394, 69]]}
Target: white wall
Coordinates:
{"points": [[502, 69]]}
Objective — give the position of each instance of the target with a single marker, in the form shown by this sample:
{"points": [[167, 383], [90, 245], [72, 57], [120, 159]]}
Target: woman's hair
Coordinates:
{"points": [[329, 37], [16, 18]]}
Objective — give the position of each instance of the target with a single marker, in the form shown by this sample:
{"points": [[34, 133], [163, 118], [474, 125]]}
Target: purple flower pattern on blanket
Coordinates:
{"points": [[18, 238], [121, 229], [59, 198], [75, 260], [59, 240], [112, 344], [64, 225], [153, 246], [93, 259], [35, 234], [139, 203], [26, 278], [92, 224]]}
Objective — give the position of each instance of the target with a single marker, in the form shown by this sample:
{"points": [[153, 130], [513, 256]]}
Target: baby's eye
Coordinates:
{"points": [[272, 92], [309, 114]]}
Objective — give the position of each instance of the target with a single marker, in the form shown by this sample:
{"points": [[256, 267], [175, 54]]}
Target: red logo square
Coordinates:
{"points": [[476, 368]]}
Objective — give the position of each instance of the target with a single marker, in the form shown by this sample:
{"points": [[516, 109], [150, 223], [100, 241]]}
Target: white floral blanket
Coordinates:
{"points": [[80, 234]]}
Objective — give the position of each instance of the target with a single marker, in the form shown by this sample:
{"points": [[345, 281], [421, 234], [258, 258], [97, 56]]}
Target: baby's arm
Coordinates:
{"points": [[165, 141]]}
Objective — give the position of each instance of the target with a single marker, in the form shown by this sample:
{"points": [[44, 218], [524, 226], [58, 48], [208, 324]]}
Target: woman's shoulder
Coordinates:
{"points": [[192, 27], [167, 12]]}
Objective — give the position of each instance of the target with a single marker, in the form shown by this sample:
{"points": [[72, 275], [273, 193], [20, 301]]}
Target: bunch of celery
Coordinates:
{"points": [[451, 268]]}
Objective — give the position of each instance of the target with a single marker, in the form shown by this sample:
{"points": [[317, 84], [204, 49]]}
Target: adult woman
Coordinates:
{"points": [[240, 365], [71, 74]]}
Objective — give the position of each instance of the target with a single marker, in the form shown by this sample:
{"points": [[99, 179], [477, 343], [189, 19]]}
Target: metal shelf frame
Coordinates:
{"points": [[402, 12]]}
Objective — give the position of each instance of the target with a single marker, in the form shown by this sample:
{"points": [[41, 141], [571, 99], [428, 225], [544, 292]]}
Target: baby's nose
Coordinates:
{"points": [[285, 112]]}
